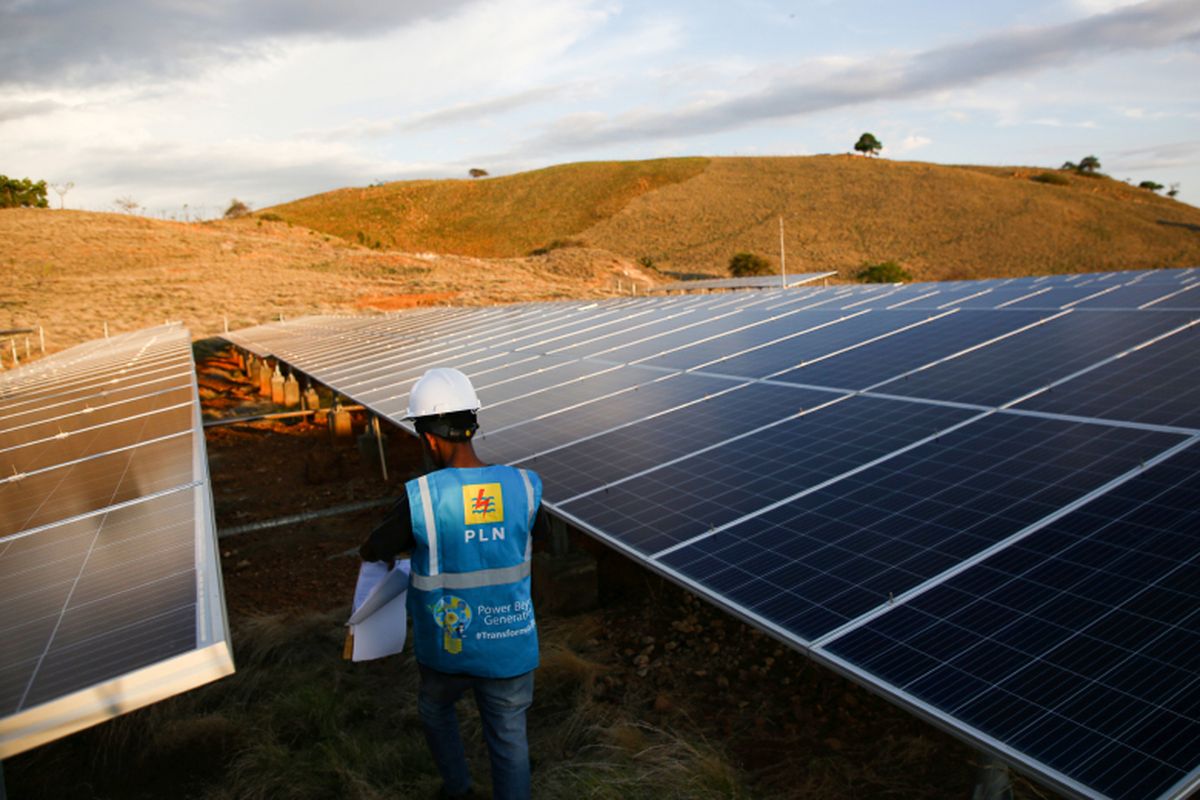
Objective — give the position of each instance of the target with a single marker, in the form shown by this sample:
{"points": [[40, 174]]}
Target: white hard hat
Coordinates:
{"points": [[441, 390]]}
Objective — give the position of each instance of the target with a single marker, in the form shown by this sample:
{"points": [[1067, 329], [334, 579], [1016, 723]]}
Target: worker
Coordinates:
{"points": [[469, 528]]}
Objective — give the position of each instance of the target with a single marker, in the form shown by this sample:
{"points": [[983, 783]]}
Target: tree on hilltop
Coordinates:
{"points": [[476, 172], [1089, 164], [868, 145], [1151, 185], [22, 193]]}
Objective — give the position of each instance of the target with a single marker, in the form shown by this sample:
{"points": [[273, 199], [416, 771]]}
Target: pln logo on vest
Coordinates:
{"points": [[482, 502]]}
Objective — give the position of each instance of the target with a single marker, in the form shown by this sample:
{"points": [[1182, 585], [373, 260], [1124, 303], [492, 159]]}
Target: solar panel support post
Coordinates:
{"points": [[42, 338], [378, 431], [993, 780], [560, 543], [782, 257]]}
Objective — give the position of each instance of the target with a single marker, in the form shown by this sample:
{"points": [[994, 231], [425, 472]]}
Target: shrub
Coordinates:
{"points": [[1052, 178], [270, 216], [557, 244], [236, 209], [745, 265], [886, 272], [1151, 185], [647, 262]]}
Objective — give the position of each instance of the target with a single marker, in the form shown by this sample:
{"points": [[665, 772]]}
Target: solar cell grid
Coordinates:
{"points": [[729, 479], [587, 412], [852, 546], [1086, 660], [922, 343], [598, 461], [817, 335], [1155, 384], [1034, 358], [499, 414]]}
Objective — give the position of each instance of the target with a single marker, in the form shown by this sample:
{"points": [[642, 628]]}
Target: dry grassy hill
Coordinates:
{"points": [[691, 215], [72, 271]]}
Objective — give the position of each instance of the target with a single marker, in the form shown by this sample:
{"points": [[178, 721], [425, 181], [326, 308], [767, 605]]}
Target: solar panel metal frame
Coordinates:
{"points": [[211, 656]]}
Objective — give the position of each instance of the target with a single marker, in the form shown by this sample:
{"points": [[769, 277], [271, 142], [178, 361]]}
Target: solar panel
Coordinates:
{"points": [[864, 470], [756, 282], [108, 570]]}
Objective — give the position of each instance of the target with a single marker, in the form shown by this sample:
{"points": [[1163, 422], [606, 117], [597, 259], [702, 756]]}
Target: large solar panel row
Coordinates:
{"points": [[753, 282], [977, 498], [109, 578]]}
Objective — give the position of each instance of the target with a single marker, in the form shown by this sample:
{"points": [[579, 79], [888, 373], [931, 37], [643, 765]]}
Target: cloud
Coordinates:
{"points": [[82, 42], [913, 142], [169, 174], [1148, 25], [1159, 156], [15, 110], [452, 115]]}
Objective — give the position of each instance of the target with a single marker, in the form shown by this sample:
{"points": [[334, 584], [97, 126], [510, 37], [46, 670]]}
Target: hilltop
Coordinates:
{"points": [[690, 215]]}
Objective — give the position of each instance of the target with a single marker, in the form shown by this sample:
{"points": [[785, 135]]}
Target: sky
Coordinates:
{"points": [[182, 106]]}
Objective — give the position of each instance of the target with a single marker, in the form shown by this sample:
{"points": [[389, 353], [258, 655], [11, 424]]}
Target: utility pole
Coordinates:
{"points": [[782, 257]]}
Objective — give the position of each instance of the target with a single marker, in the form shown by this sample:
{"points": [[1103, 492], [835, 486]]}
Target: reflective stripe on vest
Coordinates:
{"points": [[532, 514], [430, 525], [472, 580]]}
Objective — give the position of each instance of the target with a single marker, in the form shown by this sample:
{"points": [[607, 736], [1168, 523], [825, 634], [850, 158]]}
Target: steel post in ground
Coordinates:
{"points": [[379, 441]]}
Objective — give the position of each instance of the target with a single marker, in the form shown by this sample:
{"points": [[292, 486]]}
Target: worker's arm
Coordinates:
{"points": [[392, 537]]}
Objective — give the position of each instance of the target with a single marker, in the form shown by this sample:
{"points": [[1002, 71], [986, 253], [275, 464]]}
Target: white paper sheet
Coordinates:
{"points": [[379, 619]]}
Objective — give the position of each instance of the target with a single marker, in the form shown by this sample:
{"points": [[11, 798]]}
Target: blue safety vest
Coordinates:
{"points": [[469, 595]]}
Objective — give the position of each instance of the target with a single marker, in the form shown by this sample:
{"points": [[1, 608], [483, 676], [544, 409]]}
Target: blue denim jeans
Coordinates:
{"points": [[502, 703]]}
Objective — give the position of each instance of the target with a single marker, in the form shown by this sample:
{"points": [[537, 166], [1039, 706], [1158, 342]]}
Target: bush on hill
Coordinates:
{"points": [[22, 193], [236, 209], [745, 265], [886, 272], [557, 244], [1052, 178]]}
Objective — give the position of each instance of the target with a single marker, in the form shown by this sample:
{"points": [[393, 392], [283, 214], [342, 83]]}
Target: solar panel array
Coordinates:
{"points": [[981, 499], [109, 579], [752, 282]]}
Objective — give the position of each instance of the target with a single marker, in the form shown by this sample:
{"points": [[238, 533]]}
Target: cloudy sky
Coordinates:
{"points": [[175, 103]]}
